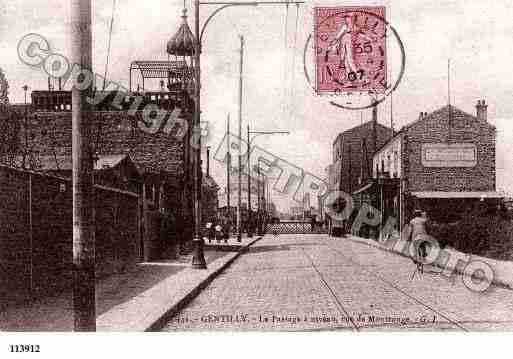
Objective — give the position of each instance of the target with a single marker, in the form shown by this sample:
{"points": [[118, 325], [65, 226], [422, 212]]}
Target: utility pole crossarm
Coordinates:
{"points": [[251, 3], [269, 132], [225, 4]]}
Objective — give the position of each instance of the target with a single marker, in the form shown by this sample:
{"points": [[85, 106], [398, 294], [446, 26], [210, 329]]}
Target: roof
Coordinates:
{"points": [[108, 161], [444, 112], [210, 182], [182, 43], [64, 163], [441, 112], [440, 194], [361, 127], [162, 69], [364, 188]]}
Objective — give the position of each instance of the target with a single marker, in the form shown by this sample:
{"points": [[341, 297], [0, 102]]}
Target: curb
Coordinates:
{"points": [[495, 281], [162, 320]]}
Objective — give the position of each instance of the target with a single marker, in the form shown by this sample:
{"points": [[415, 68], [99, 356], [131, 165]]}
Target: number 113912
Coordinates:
{"points": [[24, 348]]}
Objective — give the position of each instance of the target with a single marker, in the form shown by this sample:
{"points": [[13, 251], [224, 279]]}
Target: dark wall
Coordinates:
{"points": [[44, 262], [350, 155]]}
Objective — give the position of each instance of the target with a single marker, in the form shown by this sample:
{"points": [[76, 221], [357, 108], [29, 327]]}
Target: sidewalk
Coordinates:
{"points": [[503, 270], [138, 300], [231, 245]]}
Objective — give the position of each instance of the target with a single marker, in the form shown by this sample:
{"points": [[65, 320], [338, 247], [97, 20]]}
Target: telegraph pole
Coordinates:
{"points": [[239, 219], [84, 303], [228, 170], [249, 188]]}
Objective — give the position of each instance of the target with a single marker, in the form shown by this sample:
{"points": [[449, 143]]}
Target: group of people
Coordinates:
{"points": [[217, 230]]}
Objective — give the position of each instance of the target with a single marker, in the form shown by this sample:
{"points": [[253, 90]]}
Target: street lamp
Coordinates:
{"points": [[198, 260], [256, 133]]}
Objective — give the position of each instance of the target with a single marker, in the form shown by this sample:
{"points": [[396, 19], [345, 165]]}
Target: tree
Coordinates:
{"points": [[4, 88]]}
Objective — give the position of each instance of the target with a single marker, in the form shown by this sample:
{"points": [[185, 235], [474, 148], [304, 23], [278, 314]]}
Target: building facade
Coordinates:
{"points": [[352, 155], [442, 163]]}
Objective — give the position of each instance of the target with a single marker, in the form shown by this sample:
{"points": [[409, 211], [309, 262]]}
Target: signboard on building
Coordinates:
{"points": [[449, 155]]}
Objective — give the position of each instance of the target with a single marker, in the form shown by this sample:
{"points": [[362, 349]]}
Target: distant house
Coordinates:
{"points": [[352, 155]]}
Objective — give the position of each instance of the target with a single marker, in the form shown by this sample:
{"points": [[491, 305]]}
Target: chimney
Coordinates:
{"points": [[481, 110], [421, 115]]}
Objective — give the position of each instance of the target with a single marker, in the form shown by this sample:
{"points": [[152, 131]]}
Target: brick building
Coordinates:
{"points": [[352, 154], [352, 158], [443, 163]]}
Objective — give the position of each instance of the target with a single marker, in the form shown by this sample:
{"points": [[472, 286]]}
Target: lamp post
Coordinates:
{"points": [[198, 260]]}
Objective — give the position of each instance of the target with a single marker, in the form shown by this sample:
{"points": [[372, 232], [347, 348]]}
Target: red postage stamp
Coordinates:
{"points": [[350, 49]]}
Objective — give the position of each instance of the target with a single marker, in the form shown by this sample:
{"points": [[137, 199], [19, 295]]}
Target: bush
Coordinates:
{"points": [[485, 235]]}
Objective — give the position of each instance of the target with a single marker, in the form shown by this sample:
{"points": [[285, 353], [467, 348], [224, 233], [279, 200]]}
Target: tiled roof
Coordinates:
{"points": [[444, 112]]}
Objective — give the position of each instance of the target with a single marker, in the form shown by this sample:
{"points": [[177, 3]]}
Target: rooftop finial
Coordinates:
{"points": [[184, 11]]}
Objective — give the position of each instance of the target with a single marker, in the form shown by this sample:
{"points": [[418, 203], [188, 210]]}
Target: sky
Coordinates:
{"points": [[475, 35]]}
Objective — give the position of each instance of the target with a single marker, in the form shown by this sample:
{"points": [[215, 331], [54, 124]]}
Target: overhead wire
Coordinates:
{"points": [[109, 43], [285, 58], [294, 54]]}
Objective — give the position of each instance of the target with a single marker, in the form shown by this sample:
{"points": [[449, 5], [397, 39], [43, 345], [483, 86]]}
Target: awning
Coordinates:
{"points": [[439, 194], [364, 188]]}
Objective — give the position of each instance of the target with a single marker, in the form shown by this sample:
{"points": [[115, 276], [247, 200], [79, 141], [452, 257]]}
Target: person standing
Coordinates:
{"points": [[180, 236], [209, 231], [167, 233]]}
